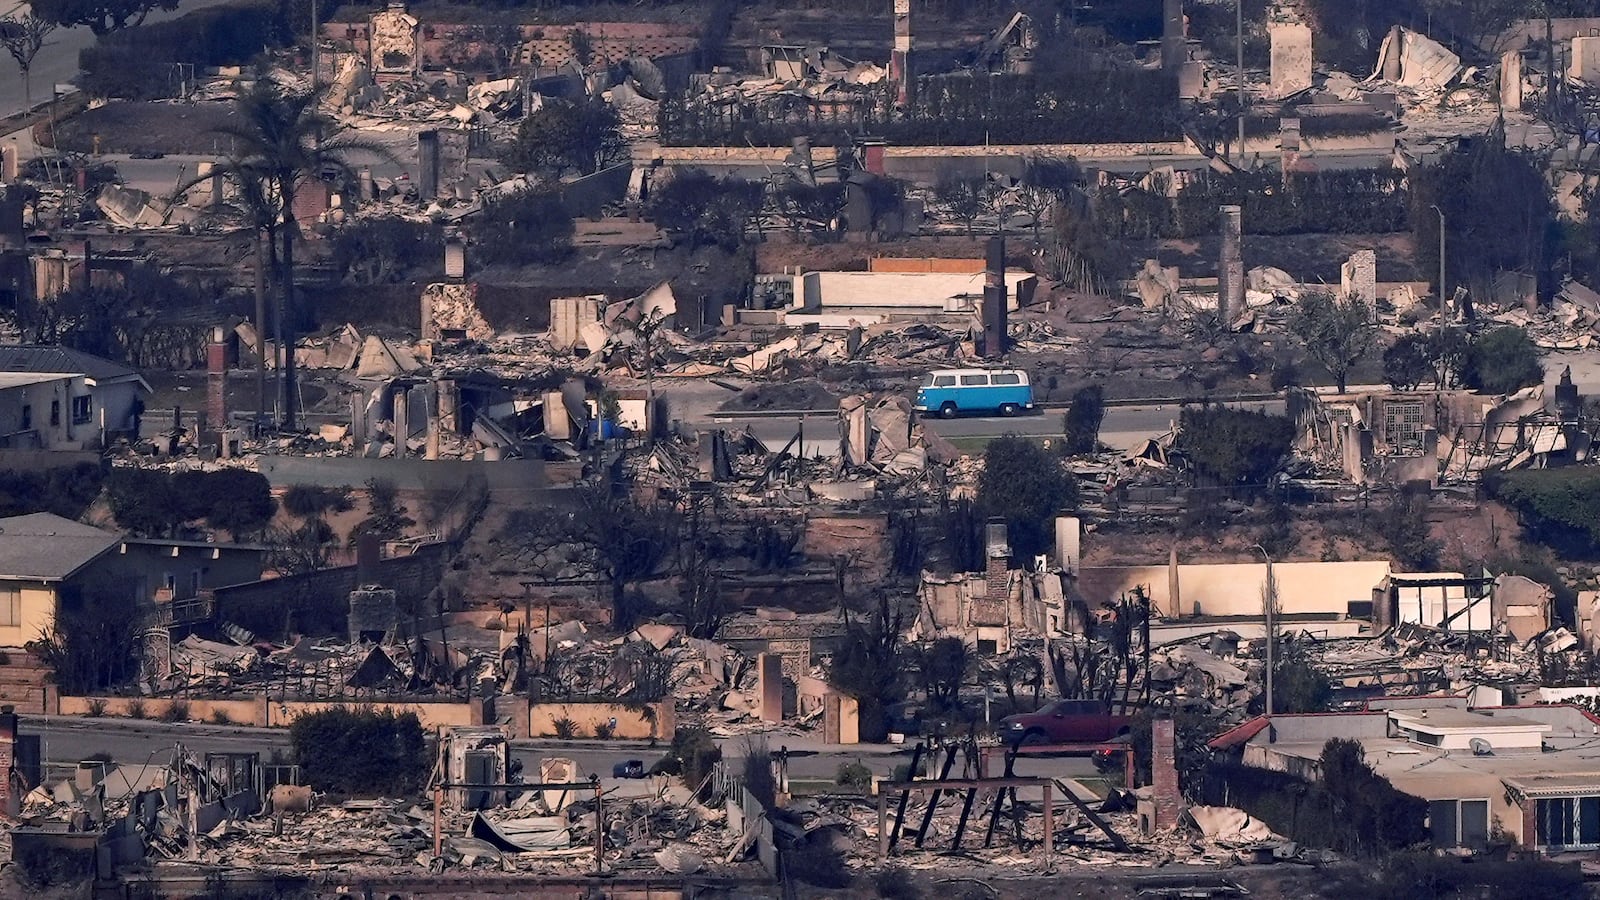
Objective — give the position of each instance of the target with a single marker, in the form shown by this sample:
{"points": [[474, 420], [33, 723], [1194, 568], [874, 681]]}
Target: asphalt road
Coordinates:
{"points": [[1124, 427], [66, 741], [57, 62]]}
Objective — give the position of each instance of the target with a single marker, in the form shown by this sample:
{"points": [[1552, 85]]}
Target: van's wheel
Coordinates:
{"points": [[1008, 409], [947, 410]]}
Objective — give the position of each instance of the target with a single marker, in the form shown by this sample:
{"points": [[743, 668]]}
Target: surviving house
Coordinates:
{"points": [[1529, 772], [44, 560], [47, 561], [55, 398]]}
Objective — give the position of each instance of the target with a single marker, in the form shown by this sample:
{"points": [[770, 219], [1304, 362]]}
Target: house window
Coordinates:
{"points": [[169, 581], [11, 607], [1459, 823], [1567, 823], [55, 413], [27, 417], [1402, 426], [82, 410]]}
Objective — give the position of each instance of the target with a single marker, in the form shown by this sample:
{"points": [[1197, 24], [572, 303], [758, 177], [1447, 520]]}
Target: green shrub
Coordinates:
{"points": [[1559, 508], [692, 755], [137, 63], [1501, 361], [221, 717], [1233, 447], [361, 751], [605, 731], [565, 728], [97, 708], [136, 709], [853, 775]]}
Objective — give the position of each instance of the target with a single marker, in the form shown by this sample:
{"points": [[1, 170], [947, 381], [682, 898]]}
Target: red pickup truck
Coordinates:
{"points": [[1066, 722]]}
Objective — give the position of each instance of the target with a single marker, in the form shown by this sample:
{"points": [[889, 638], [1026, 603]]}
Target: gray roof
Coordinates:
{"points": [[37, 358], [47, 547]]}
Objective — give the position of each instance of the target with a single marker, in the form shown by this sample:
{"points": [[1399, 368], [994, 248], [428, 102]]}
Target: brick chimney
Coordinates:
{"points": [[996, 560], [369, 553], [1164, 773], [217, 380]]}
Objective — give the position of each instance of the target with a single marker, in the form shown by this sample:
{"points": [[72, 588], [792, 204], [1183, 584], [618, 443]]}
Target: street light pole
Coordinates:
{"points": [[1443, 302], [1272, 636]]}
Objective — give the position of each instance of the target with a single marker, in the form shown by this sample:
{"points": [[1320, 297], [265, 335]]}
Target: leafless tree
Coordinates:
{"points": [[23, 38]]}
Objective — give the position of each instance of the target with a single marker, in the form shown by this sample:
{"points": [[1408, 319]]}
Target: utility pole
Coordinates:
{"points": [[1238, 8], [1444, 302], [1270, 601]]}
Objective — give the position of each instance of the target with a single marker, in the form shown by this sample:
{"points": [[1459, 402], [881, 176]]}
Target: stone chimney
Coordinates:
{"points": [[1230, 271], [1068, 540], [1168, 800], [902, 71], [996, 560], [994, 299], [428, 165]]}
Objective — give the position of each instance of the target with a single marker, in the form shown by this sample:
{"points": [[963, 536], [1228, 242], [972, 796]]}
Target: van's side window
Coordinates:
{"points": [[1006, 378], [944, 381], [974, 380]]}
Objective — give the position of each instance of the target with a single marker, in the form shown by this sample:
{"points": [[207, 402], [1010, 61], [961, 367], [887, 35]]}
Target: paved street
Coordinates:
{"points": [[66, 741], [1123, 429]]}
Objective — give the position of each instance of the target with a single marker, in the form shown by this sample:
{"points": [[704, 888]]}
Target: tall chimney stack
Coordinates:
{"points": [[217, 380], [994, 299], [901, 68], [428, 165], [1230, 272], [1173, 52]]}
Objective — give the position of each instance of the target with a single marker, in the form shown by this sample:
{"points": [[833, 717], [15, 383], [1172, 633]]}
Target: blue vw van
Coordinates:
{"points": [[950, 392]]}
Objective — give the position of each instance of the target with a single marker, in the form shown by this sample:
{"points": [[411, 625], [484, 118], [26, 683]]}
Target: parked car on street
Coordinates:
{"points": [[633, 768], [950, 392], [1067, 722]]}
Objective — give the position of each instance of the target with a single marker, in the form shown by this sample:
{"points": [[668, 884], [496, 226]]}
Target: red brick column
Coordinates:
{"points": [[217, 381], [1530, 826], [1164, 773]]}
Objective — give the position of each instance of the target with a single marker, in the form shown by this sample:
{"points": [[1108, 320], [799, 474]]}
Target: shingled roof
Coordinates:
{"points": [[47, 547], [40, 358]]}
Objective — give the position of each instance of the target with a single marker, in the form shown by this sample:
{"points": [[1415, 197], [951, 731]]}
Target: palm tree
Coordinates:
{"points": [[282, 139], [260, 204]]}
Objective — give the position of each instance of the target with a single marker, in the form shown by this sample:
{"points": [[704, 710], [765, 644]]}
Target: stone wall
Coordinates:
{"points": [[632, 722], [259, 711]]}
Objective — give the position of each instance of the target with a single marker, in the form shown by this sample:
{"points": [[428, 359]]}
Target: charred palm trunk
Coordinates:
{"points": [[261, 327], [286, 310]]}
